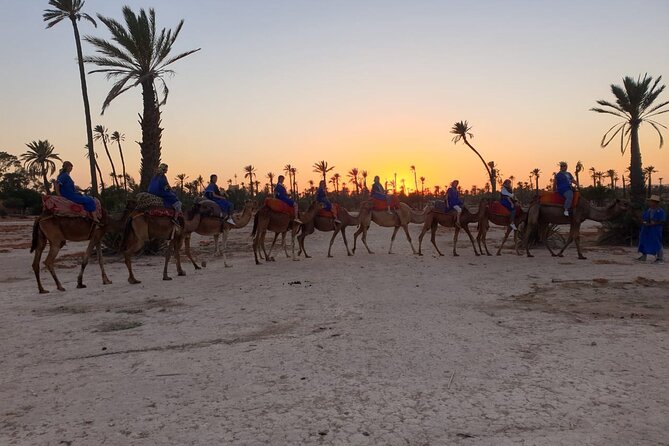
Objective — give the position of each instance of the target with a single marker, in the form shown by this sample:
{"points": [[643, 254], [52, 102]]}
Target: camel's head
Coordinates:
{"points": [[252, 204], [620, 205]]}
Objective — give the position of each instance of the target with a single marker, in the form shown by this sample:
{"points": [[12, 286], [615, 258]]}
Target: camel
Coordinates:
{"points": [[216, 226], [400, 217], [279, 223], [499, 220], [327, 224], [56, 230], [435, 218], [142, 227], [542, 215]]}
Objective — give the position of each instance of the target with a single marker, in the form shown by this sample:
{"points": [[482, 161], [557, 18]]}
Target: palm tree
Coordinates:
{"points": [[288, 170], [461, 130], [97, 168], [364, 180], [270, 176], [415, 179], [593, 175], [422, 185], [181, 178], [118, 137], [322, 168], [649, 171], [335, 180], [102, 135], [599, 174], [634, 104], [577, 170], [293, 172], [611, 174], [250, 173], [353, 176], [139, 55], [71, 9], [535, 173], [40, 158], [437, 190]]}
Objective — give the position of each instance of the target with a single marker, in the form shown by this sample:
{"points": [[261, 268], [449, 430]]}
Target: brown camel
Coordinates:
{"points": [[499, 220], [542, 215], [56, 230], [142, 227], [435, 218], [327, 224], [418, 217], [398, 218], [279, 223], [216, 226]]}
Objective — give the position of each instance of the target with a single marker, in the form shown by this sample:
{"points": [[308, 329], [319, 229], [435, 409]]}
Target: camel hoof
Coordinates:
{"points": [[456, 255], [272, 259], [554, 255], [61, 289], [167, 278], [258, 263], [308, 257], [44, 291], [329, 256], [227, 266], [420, 254], [197, 267], [560, 255], [134, 281], [81, 285], [530, 255], [107, 282], [582, 258], [181, 273]]}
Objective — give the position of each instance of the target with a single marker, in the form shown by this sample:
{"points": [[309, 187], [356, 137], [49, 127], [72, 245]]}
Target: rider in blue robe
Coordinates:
{"points": [[380, 193], [508, 201], [650, 238], [161, 187], [453, 200], [213, 193], [67, 189], [281, 194], [322, 197], [563, 185]]}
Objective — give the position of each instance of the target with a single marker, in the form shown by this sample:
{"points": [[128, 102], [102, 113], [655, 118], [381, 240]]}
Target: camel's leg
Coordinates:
{"points": [[132, 247], [300, 241], [516, 241], [334, 234], [574, 235], [268, 256], [41, 244], [217, 250], [50, 259], [168, 254], [343, 235], [471, 239], [188, 251], [293, 233], [482, 238], [455, 241], [84, 262], [177, 255], [355, 237], [224, 243], [423, 231], [406, 231], [283, 243], [256, 247], [101, 261], [433, 237], [392, 239], [506, 235]]}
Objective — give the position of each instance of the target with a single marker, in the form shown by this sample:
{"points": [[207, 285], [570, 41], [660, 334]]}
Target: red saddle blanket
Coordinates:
{"points": [[495, 207], [329, 214], [279, 206], [163, 212], [382, 205], [549, 198], [57, 205]]}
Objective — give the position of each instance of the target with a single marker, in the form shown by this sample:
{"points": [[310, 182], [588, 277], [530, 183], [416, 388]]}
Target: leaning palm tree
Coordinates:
{"points": [[322, 168], [577, 170], [353, 178], [649, 171], [118, 137], [97, 168], [40, 159], [250, 172], [102, 135], [71, 9], [139, 55], [635, 105], [461, 130]]}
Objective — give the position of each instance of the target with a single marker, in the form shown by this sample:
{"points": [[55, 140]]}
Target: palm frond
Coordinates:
{"points": [[655, 125]]}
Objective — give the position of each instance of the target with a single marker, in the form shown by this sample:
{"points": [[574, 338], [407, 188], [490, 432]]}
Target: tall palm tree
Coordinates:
{"points": [[97, 168], [437, 189], [200, 183], [635, 105], [40, 158], [600, 175], [461, 130], [578, 169], [71, 9], [364, 180], [288, 170], [649, 171], [100, 134], [181, 178], [118, 137], [415, 179], [422, 185], [139, 55], [270, 176], [593, 174], [322, 168], [250, 172], [335, 180], [535, 173], [293, 172], [611, 174], [353, 178]]}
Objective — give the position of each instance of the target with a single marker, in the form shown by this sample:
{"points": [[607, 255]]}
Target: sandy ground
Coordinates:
{"points": [[364, 350]]}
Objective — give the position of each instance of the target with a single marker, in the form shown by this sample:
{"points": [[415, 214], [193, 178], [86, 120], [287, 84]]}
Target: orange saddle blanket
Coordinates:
{"points": [[495, 207], [382, 205], [279, 206], [61, 206], [329, 214], [549, 198]]}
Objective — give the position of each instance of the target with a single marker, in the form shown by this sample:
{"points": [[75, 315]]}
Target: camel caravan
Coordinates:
{"points": [[157, 215]]}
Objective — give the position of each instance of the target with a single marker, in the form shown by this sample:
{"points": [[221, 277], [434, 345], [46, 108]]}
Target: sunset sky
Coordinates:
{"points": [[375, 85]]}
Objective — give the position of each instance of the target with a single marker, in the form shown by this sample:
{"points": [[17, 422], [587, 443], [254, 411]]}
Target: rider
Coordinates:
{"points": [[453, 200], [213, 193], [380, 193], [562, 183], [281, 193], [509, 201], [65, 188], [322, 197], [161, 187]]}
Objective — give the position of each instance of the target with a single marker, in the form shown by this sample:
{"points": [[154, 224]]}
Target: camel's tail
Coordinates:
{"points": [[255, 224], [33, 244]]}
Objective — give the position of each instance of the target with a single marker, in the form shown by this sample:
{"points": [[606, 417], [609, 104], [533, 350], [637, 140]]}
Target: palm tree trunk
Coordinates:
{"points": [[125, 178], [87, 108], [492, 180], [151, 134], [102, 181], [636, 172], [45, 179], [111, 161]]}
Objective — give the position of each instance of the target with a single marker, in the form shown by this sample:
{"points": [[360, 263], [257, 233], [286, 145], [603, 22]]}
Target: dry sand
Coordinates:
{"points": [[364, 350]]}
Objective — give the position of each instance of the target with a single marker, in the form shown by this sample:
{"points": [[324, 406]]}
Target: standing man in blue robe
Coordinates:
{"points": [[213, 193], [161, 187], [652, 225]]}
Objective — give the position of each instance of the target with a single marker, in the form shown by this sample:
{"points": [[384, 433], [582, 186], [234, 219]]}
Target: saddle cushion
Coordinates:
{"points": [[146, 200], [209, 208], [62, 207], [495, 207], [382, 205], [329, 214], [277, 205], [550, 198], [163, 212], [440, 206]]}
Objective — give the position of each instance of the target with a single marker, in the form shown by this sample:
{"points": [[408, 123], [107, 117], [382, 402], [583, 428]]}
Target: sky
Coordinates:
{"points": [[370, 84]]}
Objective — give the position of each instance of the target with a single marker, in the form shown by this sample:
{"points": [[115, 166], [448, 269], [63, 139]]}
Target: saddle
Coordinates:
{"points": [[440, 206], [329, 214], [163, 212], [382, 205], [549, 198], [209, 208], [62, 207], [145, 200], [277, 205], [496, 208]]}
